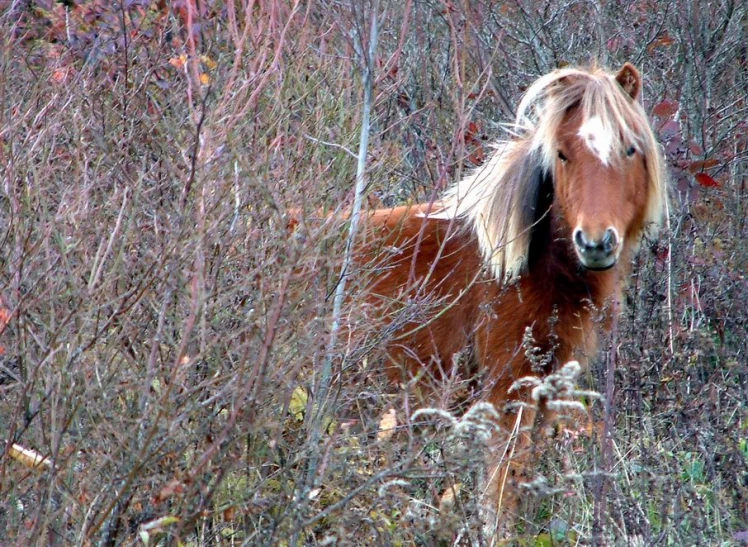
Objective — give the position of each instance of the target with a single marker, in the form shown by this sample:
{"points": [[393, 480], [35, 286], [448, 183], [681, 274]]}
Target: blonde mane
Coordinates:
{"points": [[498, 199]]}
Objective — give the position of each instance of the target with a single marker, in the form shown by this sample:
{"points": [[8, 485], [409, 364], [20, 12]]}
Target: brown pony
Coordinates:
{"points": [[539, 240]]}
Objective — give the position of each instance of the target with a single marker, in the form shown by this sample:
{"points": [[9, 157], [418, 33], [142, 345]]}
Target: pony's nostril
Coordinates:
{"points": [[579, 239], [610, 240]]}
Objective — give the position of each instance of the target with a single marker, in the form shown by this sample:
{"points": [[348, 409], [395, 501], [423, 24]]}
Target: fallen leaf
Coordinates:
{"points": [[387, 425], [155, 527], [447, 499], [171, 488]]}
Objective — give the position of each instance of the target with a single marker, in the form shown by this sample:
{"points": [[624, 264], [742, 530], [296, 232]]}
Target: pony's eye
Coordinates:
{"points": [[561, 156], [631, 151]]}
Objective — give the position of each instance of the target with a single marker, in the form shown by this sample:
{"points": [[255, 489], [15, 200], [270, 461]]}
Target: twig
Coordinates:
{"points": [[608, 423], [334, 145]]}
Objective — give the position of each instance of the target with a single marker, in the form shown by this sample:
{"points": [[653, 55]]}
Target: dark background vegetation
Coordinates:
{"points": [[163, 332]]}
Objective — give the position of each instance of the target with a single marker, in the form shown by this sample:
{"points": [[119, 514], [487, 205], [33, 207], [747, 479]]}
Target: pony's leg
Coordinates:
{"points": [[508, 468], [513, 455]]}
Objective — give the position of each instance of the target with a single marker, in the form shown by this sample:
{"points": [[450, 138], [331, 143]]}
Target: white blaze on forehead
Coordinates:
{"points": [[598, 138]]}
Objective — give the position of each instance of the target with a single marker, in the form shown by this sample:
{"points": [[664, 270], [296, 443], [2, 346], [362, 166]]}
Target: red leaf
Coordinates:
{"points": [[487, 93], [666, 108], [669, 130], [477, 155], [706, 181], [472, 133], [662, 41], [695, 148], [695, 166], [614, 44], [662, 254], [449, 8], [673, 146]]}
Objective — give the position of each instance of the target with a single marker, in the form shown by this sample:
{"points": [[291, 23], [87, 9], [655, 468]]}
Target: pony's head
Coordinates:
{"points": [[584, 145]]}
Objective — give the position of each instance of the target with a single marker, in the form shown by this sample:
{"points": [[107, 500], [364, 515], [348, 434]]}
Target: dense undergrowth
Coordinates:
{"points": [[163, 331]]}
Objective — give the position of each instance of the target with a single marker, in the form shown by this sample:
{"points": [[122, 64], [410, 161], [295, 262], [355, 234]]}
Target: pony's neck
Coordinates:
{"points": [[557, 286], [554, 264]]}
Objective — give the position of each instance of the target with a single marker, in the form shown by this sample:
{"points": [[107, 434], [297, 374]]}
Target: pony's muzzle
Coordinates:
{"points": [[597, 253]]}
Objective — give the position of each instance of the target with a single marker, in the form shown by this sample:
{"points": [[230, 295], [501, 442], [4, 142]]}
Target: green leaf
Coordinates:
{"points": [[297, 406]]}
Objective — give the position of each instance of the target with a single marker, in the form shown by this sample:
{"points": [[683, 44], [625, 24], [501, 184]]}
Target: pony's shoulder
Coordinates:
{"points": [[407, 214]]}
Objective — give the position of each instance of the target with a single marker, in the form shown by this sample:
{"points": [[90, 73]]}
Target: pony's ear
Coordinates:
{"points": [[630, 80]]}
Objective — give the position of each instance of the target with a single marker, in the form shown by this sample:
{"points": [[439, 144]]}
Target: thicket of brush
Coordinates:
{"points": [[163, 332]]}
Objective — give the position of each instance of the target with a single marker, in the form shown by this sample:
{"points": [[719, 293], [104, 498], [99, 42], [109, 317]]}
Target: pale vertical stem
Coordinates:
{"points": [[325, 379], [368, 70], [601, 503], [669, 262]]}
